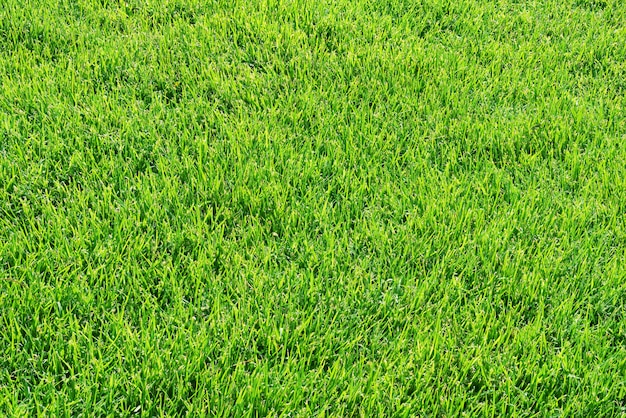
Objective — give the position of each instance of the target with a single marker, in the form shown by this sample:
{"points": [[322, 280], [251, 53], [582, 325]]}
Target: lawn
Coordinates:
{"points": [[293, 208]]}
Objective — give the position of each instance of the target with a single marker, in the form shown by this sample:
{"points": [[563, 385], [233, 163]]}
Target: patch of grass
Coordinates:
{"points": [[347, 208]]}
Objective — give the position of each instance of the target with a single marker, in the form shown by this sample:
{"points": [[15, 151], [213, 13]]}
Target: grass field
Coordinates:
{"points": [[313, 208]]}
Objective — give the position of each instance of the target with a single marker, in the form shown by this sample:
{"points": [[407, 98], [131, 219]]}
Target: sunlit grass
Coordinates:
{"points": [[293, 208]]}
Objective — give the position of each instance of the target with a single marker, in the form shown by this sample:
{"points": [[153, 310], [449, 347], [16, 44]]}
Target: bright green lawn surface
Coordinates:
{"points": [[327, 208]]}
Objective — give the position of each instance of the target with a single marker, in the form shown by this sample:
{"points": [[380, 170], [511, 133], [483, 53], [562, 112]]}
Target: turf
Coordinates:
{"points": [[331, 208]]}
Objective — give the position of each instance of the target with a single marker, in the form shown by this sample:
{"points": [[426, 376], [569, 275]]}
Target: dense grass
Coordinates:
{"points": [[328, 208]]}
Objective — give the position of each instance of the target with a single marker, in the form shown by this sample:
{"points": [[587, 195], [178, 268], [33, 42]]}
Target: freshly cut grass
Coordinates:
{"points": [[330, 208]]}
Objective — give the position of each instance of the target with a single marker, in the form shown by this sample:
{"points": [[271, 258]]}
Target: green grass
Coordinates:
{"points": [[330, 208]]}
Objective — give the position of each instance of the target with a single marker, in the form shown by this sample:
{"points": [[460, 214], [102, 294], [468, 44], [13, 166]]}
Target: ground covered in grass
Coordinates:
{"points": [[328, 208]]}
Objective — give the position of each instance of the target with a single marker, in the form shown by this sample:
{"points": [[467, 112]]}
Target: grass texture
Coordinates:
{"points": [[313, 208]]}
